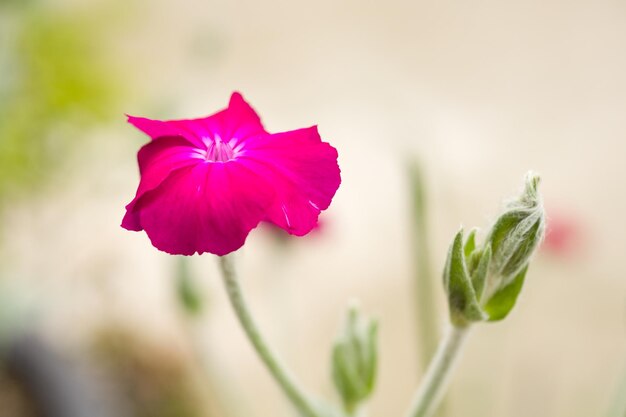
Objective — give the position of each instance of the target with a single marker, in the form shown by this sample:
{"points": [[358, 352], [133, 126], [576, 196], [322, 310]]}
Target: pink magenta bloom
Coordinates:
{"points": [[206, 183]]}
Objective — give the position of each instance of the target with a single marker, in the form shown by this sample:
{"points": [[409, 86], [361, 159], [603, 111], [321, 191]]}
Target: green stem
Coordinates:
{"points": [[425, 295], [296, 395], [618, 408], [435, 382]]}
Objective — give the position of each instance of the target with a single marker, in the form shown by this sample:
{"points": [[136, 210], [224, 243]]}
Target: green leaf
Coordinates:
{"points": [[516, 240], [472, 254], [344, 376], [371, 356], [470, 243], [462, 300], [517, 232], [503, 301], [479, 276], [503, 227]]}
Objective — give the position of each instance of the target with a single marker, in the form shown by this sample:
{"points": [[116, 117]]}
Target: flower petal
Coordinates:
{"points": [[157, 160], [191, 129], [238, 122], [302, 169], [208, 207]]}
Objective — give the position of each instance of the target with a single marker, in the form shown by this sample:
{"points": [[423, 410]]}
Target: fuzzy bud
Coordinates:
{"points": [[482, 283], [354, 359]]}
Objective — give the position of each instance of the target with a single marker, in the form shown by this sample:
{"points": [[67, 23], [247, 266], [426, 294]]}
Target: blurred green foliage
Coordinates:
{"points": [[355, 359], [54, 84]]}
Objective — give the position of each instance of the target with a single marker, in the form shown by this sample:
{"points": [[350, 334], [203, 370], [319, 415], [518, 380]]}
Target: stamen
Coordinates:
{"points": [[219, 151]]}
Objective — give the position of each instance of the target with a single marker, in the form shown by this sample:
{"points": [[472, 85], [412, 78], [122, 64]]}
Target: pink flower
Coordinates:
{"points": [[206, 183]]}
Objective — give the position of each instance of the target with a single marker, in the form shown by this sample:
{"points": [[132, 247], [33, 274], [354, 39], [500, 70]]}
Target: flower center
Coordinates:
{"points": [[219, 151]]}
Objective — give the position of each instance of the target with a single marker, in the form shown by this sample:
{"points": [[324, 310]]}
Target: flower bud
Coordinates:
{"points": [[482, 283], [354, 359]]}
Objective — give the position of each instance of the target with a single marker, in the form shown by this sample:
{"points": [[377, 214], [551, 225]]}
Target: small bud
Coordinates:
{"points": [[355, 359], [483, 282]]}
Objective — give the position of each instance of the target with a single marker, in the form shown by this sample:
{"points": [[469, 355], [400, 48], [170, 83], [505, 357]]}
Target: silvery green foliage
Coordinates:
{"points": [[355, 358], [483, 283]]}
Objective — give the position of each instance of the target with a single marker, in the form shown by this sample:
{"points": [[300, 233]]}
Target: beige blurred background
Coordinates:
{"points": [[477, 92]]}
